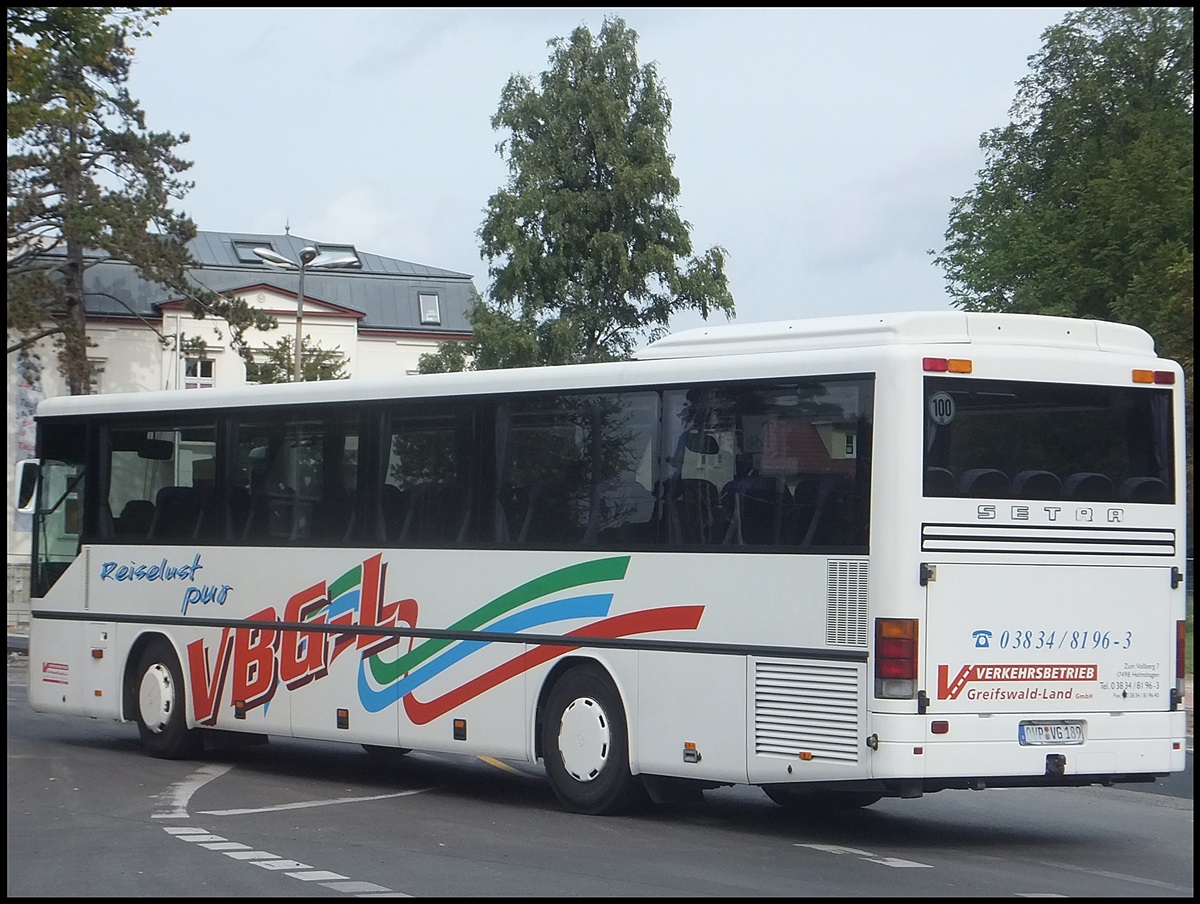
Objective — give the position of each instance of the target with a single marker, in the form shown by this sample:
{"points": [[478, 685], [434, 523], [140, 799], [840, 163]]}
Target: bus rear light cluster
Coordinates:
{"points": [[896, 658], [1161, 377], [947, 365]]}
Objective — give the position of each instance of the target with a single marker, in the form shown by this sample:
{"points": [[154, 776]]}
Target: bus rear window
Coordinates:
{"points": [[1016, 440]]}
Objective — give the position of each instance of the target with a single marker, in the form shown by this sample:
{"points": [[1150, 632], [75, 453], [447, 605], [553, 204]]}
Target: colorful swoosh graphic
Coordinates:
{"points": [[389, 682]]}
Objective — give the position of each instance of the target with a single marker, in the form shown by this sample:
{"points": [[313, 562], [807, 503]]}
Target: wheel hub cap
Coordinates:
{"points": [[584, 739], [156, 697]]}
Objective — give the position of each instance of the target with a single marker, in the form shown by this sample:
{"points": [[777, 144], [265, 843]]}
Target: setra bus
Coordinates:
{"points": [[840, 559]]}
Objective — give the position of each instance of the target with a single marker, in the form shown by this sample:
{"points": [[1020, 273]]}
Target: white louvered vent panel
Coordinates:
{"points": [[806, 707], [846, 603]]}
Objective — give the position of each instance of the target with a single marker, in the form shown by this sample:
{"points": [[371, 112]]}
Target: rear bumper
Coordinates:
{"points": [[983, 750]]}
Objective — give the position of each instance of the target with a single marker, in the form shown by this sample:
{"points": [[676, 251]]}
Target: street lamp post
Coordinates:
{"points": [[310, 259]]}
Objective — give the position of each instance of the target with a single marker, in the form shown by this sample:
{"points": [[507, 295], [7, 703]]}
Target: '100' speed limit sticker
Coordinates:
{"points": [[941, 408]]}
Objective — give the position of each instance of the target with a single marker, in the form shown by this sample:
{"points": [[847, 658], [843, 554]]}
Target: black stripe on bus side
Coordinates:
{"points": [[556, 640]]}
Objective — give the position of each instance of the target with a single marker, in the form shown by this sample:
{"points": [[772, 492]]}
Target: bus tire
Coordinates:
{"points": [[585, 744], [161, 705], [800, 801]]}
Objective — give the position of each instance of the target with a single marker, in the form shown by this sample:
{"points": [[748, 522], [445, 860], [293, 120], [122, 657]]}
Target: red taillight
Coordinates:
{"points": [[947, 365], [896, 648], [896, 658], [1160, 377], [896, 668]]}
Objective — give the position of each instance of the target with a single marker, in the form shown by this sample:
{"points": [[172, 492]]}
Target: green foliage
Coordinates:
{"points": [[588, 252], [498, 339], [1084, 206], [278, 364], [88, 181]]}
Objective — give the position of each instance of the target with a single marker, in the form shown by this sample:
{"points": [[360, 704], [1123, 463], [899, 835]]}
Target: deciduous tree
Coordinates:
{"points": [[1085, 203], [588, 251], [278, 362]]}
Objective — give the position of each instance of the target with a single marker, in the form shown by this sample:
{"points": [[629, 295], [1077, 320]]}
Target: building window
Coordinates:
{"points": [[341, 251], [95, 373], [431, 312], [198, 373], [245, 251]]}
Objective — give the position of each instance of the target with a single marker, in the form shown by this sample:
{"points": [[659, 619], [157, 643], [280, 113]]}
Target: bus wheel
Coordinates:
{"points": [[161, 715], [799, 800], [585, 744]]}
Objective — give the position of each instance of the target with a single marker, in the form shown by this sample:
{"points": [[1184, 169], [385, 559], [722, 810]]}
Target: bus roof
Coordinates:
{"points": [[654, 363], [910, 328]]}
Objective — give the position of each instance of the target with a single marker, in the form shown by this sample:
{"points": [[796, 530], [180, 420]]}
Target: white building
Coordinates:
{"points": [[381, 314]]}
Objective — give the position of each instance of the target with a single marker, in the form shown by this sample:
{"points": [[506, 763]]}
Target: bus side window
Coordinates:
{"points": [[438, 514], [694, 513], [135, 519], [177, 513], [391, 510]]}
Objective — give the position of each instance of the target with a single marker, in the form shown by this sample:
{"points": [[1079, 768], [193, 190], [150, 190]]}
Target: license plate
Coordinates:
{"points": [[1040, 733]]}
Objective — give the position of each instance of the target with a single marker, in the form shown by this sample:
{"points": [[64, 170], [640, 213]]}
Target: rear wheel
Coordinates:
{"points": [[800, 800], [161, 706], [585, 744]]}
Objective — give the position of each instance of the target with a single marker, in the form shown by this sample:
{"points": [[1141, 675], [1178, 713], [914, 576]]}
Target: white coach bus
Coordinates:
{"points": [[840, 559]]}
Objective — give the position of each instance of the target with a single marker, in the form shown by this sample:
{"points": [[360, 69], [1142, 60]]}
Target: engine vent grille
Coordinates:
{"points": [[846, 603], [807, 707]]}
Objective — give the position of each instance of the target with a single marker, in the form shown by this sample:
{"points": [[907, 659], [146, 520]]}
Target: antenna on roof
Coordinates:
{"points": [[287, 226]]}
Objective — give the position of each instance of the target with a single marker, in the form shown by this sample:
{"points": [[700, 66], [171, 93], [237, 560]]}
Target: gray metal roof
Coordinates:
{"points": [[383, 289]]}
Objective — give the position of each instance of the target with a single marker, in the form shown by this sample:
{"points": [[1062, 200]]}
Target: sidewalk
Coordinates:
{"points": [[18, 642]]}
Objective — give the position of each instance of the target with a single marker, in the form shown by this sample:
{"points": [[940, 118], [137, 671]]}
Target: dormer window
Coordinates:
{"points": [[245, 251], [343, 251], [431, 311]]}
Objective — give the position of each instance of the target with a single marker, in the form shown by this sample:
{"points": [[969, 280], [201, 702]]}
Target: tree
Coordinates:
{"points": [[586, 247], [87, 181], [1084, 206], [316, 363]]}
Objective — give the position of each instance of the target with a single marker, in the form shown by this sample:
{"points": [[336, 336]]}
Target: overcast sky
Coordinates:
{"points": [[820, 147]]}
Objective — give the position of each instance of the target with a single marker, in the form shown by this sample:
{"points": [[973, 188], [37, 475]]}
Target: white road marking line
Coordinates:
{"points": [[266, 860], [355, 887], [894, 862], [251, 855], [175, 798], [305, 804], [174, 802], [316, 874]]}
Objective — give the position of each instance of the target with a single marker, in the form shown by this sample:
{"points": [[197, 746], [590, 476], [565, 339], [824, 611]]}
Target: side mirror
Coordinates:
{"points": [[28, 473]]}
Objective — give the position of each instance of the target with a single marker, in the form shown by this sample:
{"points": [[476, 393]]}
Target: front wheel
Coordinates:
{"points": [[585, 744], [161, 713]]}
